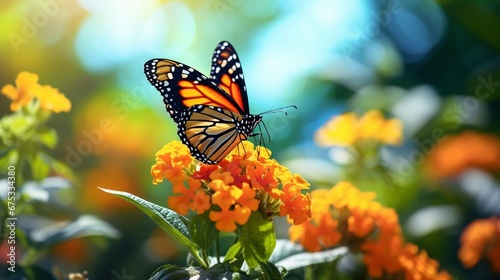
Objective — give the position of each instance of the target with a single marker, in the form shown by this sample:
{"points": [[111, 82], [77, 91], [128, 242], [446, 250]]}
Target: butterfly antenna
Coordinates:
{"points": [[279, 110]]}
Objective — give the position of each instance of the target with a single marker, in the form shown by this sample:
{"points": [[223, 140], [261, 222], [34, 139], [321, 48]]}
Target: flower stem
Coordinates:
{"points": [[217, 248]]}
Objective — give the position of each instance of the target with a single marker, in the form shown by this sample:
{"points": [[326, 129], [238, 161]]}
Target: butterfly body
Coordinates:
{"points": [[212, 114]]}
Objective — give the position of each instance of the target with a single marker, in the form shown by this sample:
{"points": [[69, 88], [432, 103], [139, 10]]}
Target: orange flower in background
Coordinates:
{"points": [[347, 129], [23, 92], [27, 88], [481, 239], [419, 266], [344, 215], [468, 149], [234, 188]]}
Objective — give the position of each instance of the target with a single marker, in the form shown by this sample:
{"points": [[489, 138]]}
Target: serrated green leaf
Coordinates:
{"points": [[47, 136], [257, 238], [167, 219], [203, 231]]}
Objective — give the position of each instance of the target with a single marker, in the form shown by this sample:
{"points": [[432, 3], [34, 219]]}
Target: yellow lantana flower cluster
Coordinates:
{"points": [[28, 89], [347, 216], [347, 129], [234, 188], [481, 239]]}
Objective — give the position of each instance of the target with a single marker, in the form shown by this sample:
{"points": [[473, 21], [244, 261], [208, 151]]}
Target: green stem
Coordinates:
{"points": [[308, 273], [217, 249], [204, 255]]}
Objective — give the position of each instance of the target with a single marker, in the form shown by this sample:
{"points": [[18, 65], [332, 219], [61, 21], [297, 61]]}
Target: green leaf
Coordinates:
{"points": [[10, 158], [47, 236], [168, 271], [226, 271], [47, 136], [233, 252], [168, 220], [270, 271], [258, 239], [39, 167], [203, 231], [60, 168], [305, 259]]}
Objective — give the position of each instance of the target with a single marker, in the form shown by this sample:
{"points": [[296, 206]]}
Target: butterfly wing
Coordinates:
{"points": [[183, 87], [227, 72], [210, 132]]}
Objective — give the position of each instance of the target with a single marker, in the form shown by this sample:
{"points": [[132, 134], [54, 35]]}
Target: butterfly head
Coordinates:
{"points": [[247, 124]]}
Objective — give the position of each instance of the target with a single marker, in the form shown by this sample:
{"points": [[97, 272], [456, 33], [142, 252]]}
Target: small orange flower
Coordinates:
{"points": [[224, 195], [346, 129], [481, 239], [24, 92], [180, 203], [247, 199], [171, 160], [226, 219], [295, 204], [419, 266], [468, 149], [200, 202]]}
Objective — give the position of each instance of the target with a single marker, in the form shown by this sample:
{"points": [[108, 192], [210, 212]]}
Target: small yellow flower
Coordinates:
{"points": [[338, 131], [26, 87], [347, 129], [52, 100]]}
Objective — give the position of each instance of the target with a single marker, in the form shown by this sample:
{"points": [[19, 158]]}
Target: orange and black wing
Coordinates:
{"points": [[183, 87], [209, 132], [227, 73]]}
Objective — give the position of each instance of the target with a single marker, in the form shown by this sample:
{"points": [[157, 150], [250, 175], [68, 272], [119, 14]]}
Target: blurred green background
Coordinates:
{"points": [[431, 64]]}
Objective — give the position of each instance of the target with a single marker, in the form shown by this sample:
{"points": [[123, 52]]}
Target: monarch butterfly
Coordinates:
{"points": [[212, 114]]}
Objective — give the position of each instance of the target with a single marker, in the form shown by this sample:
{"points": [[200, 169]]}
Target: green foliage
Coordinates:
{"points": [[168, 220], [203, 231], [257, 240], [43, 201]]}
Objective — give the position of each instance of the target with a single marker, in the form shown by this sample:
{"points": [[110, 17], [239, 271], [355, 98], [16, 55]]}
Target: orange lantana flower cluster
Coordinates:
{"points": [[347, 216], [481, 239], [347, 129], [454, 154], [27, 90], [234, 188]]}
